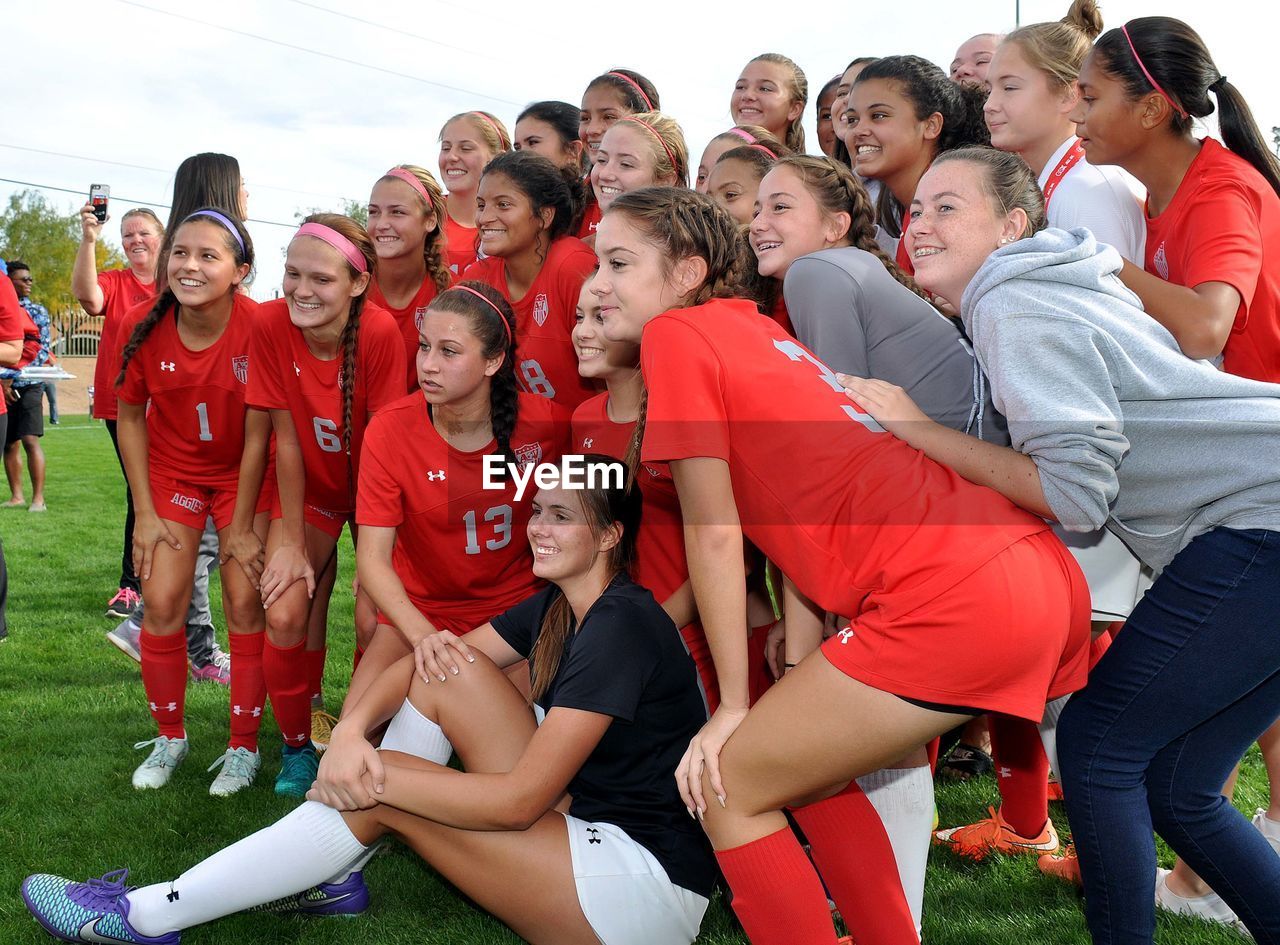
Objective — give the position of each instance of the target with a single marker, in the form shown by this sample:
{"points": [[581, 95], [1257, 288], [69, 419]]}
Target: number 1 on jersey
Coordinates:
{"points": [[202, 411]]}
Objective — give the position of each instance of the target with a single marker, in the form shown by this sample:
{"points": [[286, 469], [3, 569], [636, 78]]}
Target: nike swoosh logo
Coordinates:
{"points": [[89, 933]]}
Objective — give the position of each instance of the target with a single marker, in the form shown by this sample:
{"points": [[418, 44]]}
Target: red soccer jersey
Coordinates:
{"points": [[409, 323], [660, 560], [287, 376], [779, 314], [13, 320], [195, 425], [546, 362], [121, 291], [846, 510], [461, 550], [460, 245], [590, 218], [1223, 225]]}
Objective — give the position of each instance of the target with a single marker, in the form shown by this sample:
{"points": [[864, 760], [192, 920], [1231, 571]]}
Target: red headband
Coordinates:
{"points": [[494, 125], [1150, 78], [489, 303], [654, 131], [635, 85]]}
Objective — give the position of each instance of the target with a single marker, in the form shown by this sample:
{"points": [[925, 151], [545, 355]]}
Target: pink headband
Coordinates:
{"points": [[635, 85], [411, 179], [746, 136], [339, 242], [763, 150], [502, 138], [1154, 84], [487, 302], [654, 131]]}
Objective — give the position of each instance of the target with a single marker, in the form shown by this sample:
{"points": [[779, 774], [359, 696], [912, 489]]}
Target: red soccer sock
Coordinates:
{"points": [[315, 673], [851, 850], [1022, 773], [777, 895], [248, 689], [931, 749], [285, 670], [164, 677]]}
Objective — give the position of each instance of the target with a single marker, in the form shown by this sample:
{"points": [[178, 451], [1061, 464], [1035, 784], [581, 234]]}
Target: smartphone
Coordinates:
{"points": [[98, 194]]}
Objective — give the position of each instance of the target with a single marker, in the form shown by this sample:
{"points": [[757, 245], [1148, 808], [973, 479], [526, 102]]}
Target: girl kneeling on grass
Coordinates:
{"points": [[933, 570], [570, 831], [188, 356]]}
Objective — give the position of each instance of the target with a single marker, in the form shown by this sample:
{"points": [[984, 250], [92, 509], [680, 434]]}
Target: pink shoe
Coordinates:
{"points": [[217, 670]]}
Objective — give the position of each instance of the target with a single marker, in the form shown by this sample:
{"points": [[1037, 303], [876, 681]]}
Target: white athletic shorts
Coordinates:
{"points": [[1116, 578], [624, 891]]}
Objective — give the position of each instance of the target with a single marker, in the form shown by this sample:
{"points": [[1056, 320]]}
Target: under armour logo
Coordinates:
{"points": [[168, 366], [595, 835], [304, 737], [587, 442], [171, 707], [1005, 772], [437, 474], [240, 710], [173, 895], [846, 635]]}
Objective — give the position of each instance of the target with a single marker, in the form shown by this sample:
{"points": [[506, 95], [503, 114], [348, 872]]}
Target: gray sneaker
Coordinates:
{"points": [[126, 638], [166, 755], [239, 768]]}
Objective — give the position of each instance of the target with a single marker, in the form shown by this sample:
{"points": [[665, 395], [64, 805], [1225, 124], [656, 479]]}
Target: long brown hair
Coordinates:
{"points": [[603, 506]]}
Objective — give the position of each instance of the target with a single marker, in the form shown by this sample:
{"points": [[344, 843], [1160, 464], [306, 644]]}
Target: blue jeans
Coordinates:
{"points": [[1189, 684]]}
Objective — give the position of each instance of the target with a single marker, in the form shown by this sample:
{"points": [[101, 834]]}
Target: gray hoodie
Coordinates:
{"points": [[1124, 429]]}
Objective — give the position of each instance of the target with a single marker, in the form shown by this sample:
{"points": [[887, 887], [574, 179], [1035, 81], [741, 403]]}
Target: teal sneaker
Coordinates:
{"points": [[298, 768], [93, 911]]}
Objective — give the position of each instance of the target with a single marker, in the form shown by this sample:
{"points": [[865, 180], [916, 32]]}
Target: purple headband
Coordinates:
{"points": [[1150, 78], [339, 242], [225, 221]]}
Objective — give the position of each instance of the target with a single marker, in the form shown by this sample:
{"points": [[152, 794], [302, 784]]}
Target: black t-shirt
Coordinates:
{"points": [[627, 661]]}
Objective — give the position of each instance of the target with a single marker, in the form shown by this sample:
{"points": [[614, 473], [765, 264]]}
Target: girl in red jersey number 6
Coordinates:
{"points": [[323, 361], [925, 563], [525, 209], [438, 550], [188, 355]]}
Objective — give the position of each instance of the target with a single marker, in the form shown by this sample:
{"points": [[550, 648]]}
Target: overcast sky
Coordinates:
{"points": [[145, 83]]}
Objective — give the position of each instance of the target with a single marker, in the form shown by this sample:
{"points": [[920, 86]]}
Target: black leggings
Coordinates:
{"points": [[128, 578]]}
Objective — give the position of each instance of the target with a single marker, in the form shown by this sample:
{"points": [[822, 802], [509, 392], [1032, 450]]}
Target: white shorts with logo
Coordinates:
{"points": [[624, 891]]}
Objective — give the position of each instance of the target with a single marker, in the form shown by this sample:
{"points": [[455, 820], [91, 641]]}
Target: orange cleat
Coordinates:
{"points": [[1062, 865], [992, 834]]}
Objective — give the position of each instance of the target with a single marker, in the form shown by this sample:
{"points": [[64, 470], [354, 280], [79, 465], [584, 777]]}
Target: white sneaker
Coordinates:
{"points": [[239, 768], [156, 771], [1209, 906], [1268, 828]]}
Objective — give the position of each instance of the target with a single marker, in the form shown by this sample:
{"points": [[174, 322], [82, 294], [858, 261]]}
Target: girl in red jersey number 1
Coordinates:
{"points": [[188, 355]]}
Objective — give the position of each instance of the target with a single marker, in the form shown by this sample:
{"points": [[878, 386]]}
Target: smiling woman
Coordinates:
{"points": [[772, 92]]}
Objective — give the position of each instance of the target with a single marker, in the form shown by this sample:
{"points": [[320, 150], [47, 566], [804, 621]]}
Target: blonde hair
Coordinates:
{"points": [[1059, 49], [492, 131], [433, 245], [666, 144], [798, 87]]}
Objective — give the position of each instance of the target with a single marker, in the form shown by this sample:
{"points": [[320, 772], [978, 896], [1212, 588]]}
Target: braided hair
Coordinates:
{"points": [[494, 324], [433, 245], [167, 299]]}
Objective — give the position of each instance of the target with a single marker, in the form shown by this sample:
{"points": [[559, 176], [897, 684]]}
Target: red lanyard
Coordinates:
{"points": [[1074, 154]]}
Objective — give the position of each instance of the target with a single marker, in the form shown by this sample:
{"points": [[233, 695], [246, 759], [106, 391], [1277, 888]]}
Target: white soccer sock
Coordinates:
{"points": [[414, 734], [298, 851], [1049, 731], [903, 797]]}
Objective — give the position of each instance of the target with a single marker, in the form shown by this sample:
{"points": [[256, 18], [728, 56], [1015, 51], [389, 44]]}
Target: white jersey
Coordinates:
{"points": [[1104, 199]]}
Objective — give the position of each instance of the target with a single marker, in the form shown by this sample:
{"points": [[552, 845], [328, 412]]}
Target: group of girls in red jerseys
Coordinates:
{"points": [[866, 412]]}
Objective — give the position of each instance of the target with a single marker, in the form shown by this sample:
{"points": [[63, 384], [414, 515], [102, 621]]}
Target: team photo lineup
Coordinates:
{"points": [[709, 499]]}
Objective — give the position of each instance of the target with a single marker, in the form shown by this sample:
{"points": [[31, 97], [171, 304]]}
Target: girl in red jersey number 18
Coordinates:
{"points": [[323, 361], [188, 355]]}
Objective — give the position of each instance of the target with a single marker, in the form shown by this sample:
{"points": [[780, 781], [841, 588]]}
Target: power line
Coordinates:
{"points": [[136, 203], [158, 170], [389, 29], [323, 55]]}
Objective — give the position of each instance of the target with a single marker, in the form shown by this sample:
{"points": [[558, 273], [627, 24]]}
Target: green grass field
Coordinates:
{"points": [[71, 707]]}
